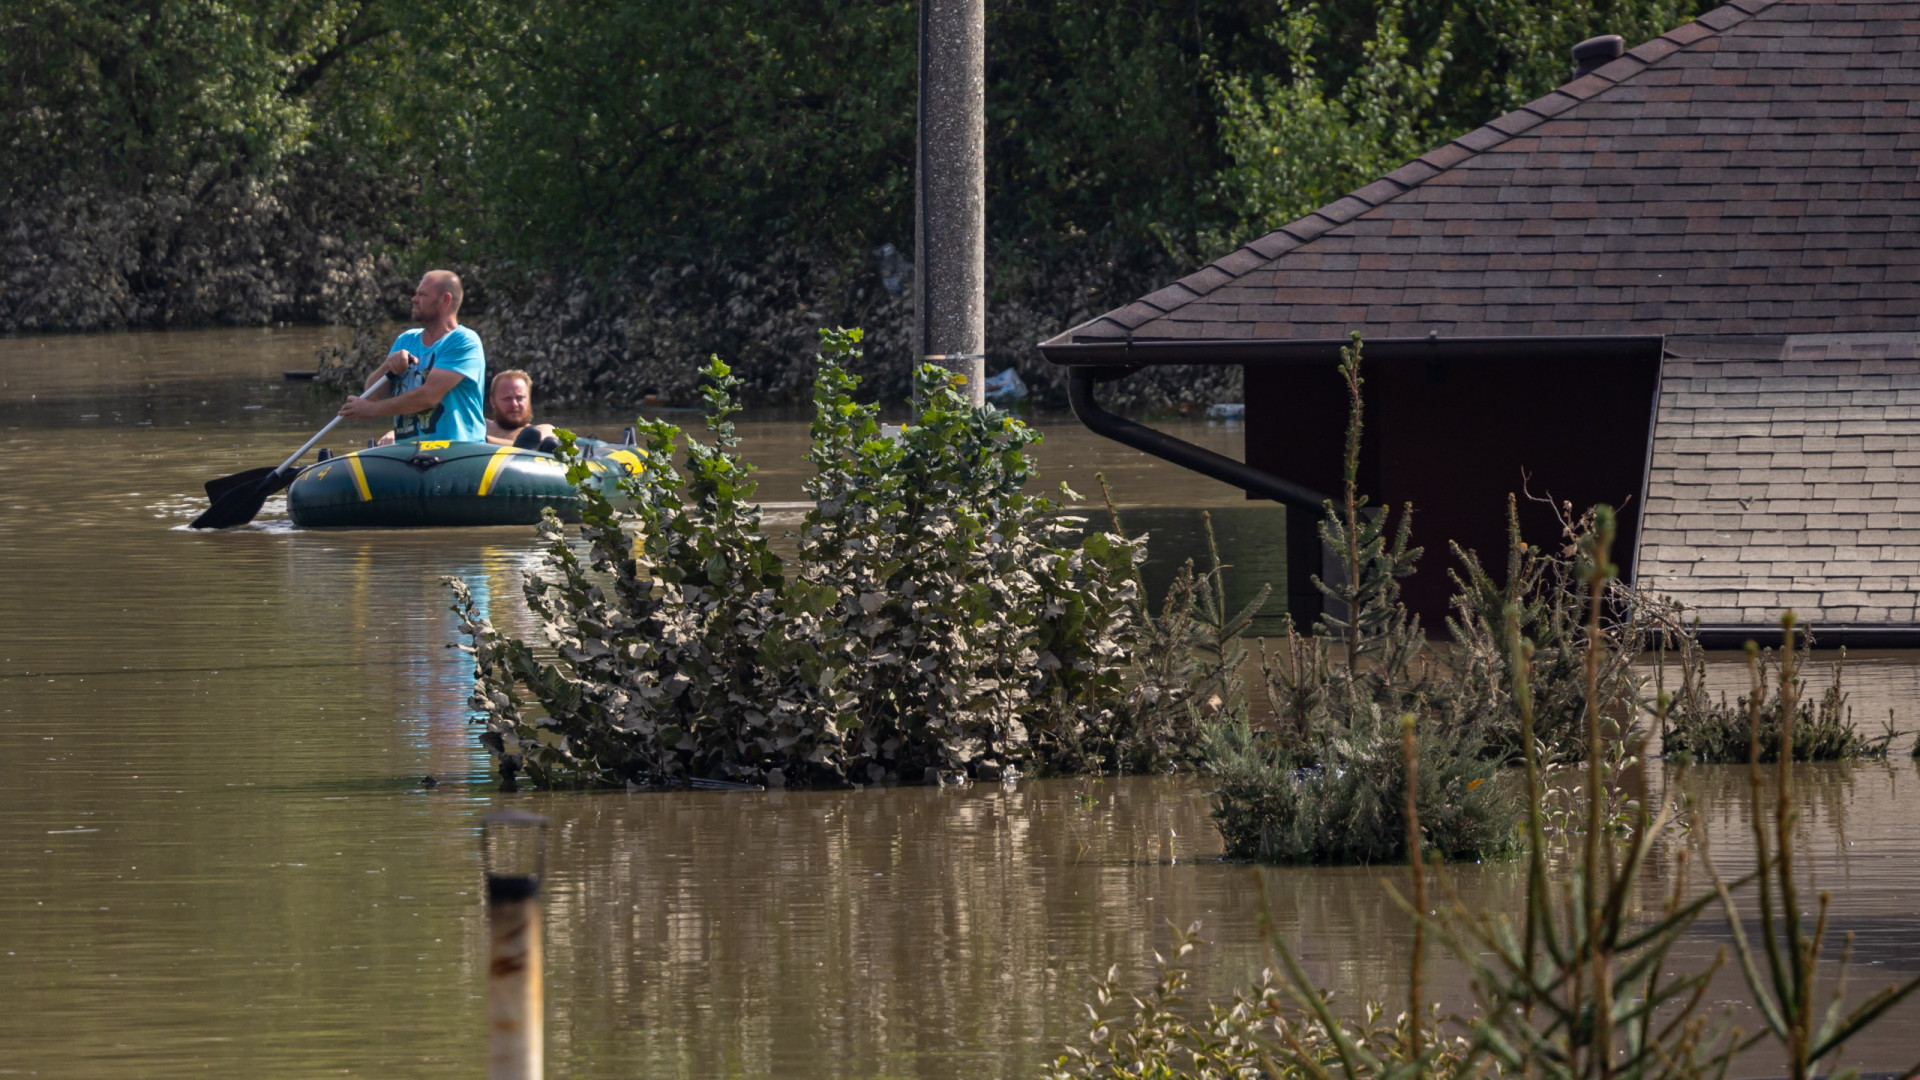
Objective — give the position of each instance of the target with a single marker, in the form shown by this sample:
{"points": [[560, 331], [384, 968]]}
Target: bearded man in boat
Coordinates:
{"points": [[434, 371], [511, 402]]}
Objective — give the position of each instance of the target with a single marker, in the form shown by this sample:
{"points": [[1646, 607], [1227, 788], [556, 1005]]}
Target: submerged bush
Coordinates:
{"points": [[1713, 732], [1549, 596], [937, 621], [1352, 809], [1329, 782]]}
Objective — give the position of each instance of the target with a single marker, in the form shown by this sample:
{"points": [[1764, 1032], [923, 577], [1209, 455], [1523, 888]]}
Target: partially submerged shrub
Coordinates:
{"points": [[1189, 652], [1711, 731], [1351, 808], [936, 622], [1328, 783], [1549, 597]]}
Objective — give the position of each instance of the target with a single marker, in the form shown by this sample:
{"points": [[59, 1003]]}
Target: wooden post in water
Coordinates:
{"points": [[513, 849]]}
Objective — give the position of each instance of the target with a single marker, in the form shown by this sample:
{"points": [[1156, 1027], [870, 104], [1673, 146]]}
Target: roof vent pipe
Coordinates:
{"points": [[1596, 52]]}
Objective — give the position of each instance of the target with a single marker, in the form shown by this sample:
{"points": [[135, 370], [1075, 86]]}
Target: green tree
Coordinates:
{"points": [[1294, 144], [665, 129], [131, 93]]}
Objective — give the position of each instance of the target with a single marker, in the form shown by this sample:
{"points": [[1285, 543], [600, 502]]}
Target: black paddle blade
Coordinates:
{"points": [[240, 504], [221, 485]]}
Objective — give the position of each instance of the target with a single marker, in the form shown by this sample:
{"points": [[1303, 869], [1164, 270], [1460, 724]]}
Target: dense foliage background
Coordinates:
{"points": [[630, 184]]}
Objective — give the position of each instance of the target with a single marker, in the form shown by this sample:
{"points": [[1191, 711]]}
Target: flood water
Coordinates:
{"points": [[217, 857]]}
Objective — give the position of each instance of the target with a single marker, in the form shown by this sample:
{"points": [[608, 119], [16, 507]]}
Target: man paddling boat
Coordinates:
{"points": [[511, 400], [438, 367]]}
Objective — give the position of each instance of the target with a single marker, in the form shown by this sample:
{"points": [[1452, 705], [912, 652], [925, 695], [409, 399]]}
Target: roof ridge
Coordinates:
{"points": [[1257, 253]]}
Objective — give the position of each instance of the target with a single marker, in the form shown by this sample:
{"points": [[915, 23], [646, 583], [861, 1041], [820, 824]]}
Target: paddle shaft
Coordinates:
{"points": [[322, 433]]}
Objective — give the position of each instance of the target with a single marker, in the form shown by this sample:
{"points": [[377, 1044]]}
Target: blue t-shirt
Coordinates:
{"points": [[458, 417]]}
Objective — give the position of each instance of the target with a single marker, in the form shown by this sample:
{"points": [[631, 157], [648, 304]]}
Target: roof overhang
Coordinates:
{"points": [[1155, 352]]}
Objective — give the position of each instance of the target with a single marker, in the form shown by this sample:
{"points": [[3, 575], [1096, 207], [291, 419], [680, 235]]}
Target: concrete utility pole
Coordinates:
{"points": [[950, 192]]}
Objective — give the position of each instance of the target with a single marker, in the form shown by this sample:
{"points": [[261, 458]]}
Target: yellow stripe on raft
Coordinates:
{"points": [[360, 477], [630, 459], [494, 465]]}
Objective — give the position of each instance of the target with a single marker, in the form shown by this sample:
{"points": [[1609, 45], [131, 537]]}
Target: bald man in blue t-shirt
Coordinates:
{"points": [[436, 372]]}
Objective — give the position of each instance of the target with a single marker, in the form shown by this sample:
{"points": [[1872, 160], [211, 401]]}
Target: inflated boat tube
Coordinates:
{"points": [[411, 485]]}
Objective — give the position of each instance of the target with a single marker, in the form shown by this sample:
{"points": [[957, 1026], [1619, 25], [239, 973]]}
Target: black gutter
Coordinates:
{"points": [[1131, 353], [1089, 363], [1080, 384], [1824, 637]]}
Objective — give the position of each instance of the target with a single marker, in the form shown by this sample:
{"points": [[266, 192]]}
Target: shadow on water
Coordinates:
{"points": [[216, 857]]}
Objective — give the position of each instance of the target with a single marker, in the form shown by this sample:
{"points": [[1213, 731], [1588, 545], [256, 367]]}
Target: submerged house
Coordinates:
{"points": [[1686, 283]]}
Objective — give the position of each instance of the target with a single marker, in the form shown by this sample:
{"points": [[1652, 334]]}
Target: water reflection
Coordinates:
{"points": [[860, 933], [216, 857]]}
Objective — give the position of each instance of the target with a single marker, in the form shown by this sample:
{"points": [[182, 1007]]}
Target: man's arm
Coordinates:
{"points": [[439, 383]]}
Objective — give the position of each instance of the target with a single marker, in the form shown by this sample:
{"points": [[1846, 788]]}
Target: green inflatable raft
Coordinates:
{"points": [[409, 485]]}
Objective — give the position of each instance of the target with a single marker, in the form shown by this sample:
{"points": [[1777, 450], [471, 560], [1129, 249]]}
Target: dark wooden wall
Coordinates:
{"points": [[1454, 438]]}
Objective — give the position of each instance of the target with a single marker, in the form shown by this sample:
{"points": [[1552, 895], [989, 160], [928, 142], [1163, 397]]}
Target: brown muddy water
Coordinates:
{"points": [[217, 858]]}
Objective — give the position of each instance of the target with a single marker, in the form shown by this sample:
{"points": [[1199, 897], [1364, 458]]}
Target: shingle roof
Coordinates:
{"points": [[1756, 171], [1783, 476]]}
